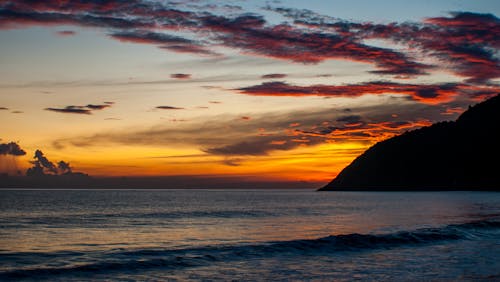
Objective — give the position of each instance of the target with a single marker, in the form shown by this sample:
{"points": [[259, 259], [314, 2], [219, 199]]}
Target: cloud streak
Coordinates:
{"points": [[424, 93], [181, 75], [265, 134], [71, 110], [274, 76], [84, 110], [65, 33], [169, 108], [163, 41], [463, 43]]}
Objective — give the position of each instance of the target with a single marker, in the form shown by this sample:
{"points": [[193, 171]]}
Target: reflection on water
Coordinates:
{"points": [[200, 233]]}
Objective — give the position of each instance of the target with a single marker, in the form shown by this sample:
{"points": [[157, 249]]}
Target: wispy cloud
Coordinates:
{"points": [[424, 93], [274, 76], [65, 33], [71, 110], [463, 43], [266, 133], [85, 110], [169, 108], [181, 75], [164, 41]]}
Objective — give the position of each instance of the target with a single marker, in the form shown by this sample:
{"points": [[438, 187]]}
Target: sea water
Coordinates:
{"points": [[249, 235]]}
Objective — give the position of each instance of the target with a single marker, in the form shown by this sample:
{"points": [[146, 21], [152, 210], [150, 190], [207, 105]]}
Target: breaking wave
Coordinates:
{"points": [[144, 259]]}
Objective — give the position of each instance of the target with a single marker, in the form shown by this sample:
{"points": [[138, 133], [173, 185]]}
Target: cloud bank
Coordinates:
{"points": [[463, 43]]}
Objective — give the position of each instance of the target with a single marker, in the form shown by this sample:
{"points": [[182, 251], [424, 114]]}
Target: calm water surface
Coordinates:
{"points": [[74, 235]]}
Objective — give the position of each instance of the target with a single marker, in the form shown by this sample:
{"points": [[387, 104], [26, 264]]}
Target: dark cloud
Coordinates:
{"points": [[232, 161], [424, 93], [164, 41], [181, 75], [245, 32], [86, 110], [254, 147], [41, 165], [269, 132], [468, 42], [227, 25], [465, 43], [98, 107], [481, 28], [15, 19], [362, 131], [350, 119], [274, 76], [63, 167], [95, 6], [11, 148], [71, 110], [169, 108], [289, 43]]}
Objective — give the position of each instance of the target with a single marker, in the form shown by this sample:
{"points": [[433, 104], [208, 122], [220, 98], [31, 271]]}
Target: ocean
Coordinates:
{"points": [[248, 235]]}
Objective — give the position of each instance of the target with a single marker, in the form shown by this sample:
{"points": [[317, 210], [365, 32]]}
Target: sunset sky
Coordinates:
{"points": [[269, 90]]}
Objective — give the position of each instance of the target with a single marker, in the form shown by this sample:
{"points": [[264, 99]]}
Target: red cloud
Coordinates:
{"points": [[424, 93], [453, 111], [274, 76], [66, 33], [466, 43], [181, 75], [289, 43], [362, 131], [164, 41]]}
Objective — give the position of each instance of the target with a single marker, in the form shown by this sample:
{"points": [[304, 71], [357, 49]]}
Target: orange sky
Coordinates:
{"points": [[291, 91]]}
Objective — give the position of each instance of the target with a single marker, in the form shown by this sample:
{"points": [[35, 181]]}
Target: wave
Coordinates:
{"points": [[103, 219], [143, 259]]}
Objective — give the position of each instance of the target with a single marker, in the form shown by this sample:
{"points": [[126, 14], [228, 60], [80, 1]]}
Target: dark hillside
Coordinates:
{"points": [[460, 155]]}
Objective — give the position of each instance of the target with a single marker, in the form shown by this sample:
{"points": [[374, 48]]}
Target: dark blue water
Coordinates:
{"points": [[129, 235]]}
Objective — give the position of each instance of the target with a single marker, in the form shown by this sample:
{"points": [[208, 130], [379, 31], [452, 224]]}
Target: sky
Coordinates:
{"points": [[251, 90]]}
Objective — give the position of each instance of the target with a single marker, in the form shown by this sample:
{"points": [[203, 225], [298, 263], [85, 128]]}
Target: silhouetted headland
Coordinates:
{"points": [[459, 155]]}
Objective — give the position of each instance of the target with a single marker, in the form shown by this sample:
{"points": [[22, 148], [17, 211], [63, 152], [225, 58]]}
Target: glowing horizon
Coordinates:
{"points": [[278, 91]]}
